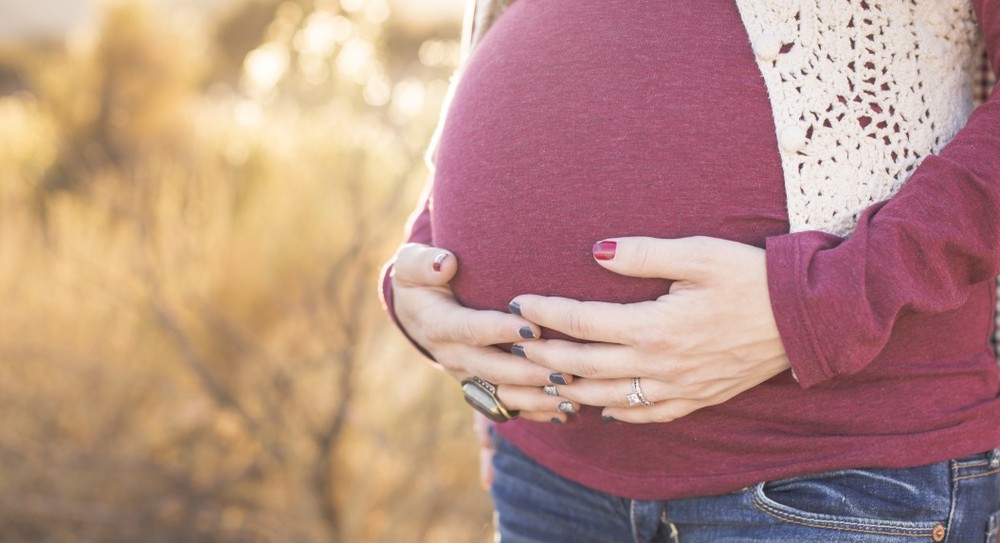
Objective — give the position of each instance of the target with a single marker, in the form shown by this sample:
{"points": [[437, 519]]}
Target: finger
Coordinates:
{"points": [[530, 402], [664, 411], [598, 392], [494, 366], [678, 259], [556, 377], [418, 264], [546, 417], [593, 321], [444, 320], [534, 403], [588, 360]]}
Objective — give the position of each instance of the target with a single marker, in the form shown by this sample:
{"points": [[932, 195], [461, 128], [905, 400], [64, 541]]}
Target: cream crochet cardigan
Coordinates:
{"points": [[858, 101]]}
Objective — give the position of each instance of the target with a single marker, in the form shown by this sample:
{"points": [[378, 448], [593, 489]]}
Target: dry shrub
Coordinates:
{"points": [[192, 348]]}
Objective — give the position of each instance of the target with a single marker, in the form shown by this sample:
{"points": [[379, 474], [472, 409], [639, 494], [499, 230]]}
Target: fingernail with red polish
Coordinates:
{"points": [[526, 332], [438, 261], [514, 308], [605, 250]]}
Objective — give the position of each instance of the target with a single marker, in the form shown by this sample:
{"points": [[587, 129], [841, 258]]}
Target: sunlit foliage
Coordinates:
{"points": [[190, 341]]}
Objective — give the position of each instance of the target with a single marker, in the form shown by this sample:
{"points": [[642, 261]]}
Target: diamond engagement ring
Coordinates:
{"points": [[637, 397]]}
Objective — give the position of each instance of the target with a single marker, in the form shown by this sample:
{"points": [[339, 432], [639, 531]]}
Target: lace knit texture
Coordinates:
{"points": [[858, 101], [861, 92]]}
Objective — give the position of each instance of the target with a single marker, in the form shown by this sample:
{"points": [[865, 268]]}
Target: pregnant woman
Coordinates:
{"points": [[721, 270]]}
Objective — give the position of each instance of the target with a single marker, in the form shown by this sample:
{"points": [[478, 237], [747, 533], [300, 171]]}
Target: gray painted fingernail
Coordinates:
{"points": [[608, 420], [526, 332], [555, 420], [566, 407], [551, 390], [558, 379], [518, 350], [514, 308]]}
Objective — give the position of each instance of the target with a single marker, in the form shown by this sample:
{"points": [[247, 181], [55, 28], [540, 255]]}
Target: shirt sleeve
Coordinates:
{"points": [[933, 241]]}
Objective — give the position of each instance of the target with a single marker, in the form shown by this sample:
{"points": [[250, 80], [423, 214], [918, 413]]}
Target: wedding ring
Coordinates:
{"points": [[482, 396], [637, 397]]}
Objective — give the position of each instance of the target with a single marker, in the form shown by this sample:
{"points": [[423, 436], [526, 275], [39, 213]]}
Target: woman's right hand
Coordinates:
{"points": [[463, 340]]}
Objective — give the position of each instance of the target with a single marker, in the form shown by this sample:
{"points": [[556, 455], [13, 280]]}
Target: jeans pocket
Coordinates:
{"points": [[993, 528], [906, 503]]}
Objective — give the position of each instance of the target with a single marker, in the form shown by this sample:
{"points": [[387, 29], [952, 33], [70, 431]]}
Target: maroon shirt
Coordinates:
{"points": [[577, 121]]}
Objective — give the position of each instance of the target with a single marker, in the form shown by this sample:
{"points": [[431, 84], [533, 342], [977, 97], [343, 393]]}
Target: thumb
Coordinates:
{"points": [[681, 259], [422, 265]]}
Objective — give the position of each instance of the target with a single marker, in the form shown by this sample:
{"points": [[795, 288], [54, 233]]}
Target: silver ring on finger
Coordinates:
{"points": [[636, 397]]}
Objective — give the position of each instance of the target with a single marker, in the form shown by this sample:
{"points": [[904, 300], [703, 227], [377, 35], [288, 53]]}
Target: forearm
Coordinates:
{"points": [[920, 252]]}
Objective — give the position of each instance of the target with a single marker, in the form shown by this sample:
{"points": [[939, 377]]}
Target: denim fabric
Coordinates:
{"points": [[957, 501]]}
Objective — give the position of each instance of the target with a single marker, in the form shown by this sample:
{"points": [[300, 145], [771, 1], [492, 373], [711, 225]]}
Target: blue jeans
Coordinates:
{"points": [[957, 501]]}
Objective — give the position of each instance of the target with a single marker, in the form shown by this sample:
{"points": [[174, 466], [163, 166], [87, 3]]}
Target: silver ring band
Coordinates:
{"points": [[637, 397]]}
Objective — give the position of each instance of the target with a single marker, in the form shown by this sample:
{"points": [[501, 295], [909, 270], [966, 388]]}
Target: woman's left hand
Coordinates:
{"points": [[710, 338]]}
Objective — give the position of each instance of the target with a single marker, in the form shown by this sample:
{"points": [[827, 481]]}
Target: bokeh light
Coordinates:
{"points": [[195, 200]]}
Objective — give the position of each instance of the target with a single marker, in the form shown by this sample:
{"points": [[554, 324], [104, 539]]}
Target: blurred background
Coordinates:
{"points": [[195, 199]]}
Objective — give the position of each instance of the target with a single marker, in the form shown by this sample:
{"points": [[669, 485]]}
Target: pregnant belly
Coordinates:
{"points": [[645, 118]]}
